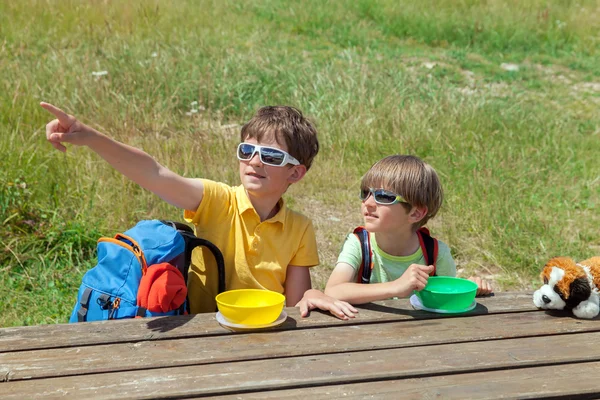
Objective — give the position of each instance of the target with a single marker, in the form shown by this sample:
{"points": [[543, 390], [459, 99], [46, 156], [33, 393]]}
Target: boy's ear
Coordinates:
{"points": [[297, 172], [416, 214]]}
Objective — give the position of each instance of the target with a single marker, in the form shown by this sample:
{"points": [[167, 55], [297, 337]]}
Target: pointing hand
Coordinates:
{"points": [[64, 129]]}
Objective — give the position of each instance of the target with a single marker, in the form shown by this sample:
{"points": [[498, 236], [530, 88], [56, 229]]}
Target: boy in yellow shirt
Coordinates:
{"points": [[265, 245]]}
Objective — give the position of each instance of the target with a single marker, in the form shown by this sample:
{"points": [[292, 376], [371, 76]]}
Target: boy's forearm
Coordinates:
{"points": [[144, 170], [356, 293], [134, 163]]}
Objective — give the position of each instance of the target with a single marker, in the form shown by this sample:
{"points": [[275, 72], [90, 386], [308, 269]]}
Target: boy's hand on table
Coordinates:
{"points": [[414, 278], [315, 299], [64, 129], [483, 287]]}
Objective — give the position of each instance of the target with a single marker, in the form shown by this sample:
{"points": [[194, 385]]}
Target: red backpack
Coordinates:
{"points": [[429, 246]]}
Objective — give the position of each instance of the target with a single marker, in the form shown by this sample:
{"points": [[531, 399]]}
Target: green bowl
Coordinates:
{"points": [[448, 293]]}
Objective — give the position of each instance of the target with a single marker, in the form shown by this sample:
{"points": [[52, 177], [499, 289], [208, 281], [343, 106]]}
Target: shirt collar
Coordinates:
{"points": [[244, 204]]}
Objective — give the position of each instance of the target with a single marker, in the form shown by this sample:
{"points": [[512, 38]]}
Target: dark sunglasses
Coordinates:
{"points": [[381, 196], [268, 155]]}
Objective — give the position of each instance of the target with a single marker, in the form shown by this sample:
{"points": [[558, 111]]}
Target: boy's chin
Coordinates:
{"points": [[253, 188], [259, 190], [370, 226], [252, 183]]}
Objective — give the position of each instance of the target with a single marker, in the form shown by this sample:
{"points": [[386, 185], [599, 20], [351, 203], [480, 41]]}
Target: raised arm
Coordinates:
{"points": [[140, 167]]}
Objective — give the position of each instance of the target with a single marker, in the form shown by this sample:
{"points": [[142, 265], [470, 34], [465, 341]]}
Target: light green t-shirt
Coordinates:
{"points": [[387, 268]]}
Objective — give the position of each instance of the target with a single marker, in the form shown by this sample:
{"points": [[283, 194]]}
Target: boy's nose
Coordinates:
{"points": [[370, 201], [255, 160]]}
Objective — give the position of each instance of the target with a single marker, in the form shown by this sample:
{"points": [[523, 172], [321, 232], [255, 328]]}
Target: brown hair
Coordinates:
{"points": [[287, 123], [410, 177]]}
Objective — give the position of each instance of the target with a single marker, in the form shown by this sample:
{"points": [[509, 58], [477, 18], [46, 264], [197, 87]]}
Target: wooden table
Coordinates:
{"points": [[503, 348]]}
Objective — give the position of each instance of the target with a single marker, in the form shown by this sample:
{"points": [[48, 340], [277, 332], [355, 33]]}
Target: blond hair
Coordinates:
{"points": [[287, 123], [410, 177]]}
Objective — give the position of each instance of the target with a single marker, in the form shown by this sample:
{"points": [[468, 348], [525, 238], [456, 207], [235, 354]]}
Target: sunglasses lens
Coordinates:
{"points": [[364, 193], [245, 151], [383, 197], [272, 156]]}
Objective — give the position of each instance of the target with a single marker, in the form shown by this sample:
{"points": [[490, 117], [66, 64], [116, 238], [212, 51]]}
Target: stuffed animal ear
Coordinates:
{"points": [[555, 262], [545, 274], [579, 291]]}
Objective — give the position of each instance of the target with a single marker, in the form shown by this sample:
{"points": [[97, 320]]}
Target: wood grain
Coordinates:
{"points": [[411, 371], [203, 325], [556, 381], [340, 339]]}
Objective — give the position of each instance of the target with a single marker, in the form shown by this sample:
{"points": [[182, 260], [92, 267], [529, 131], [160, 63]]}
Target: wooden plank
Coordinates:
{"points": [[133, 330], [329, 369], [221, 349], [564, 381]]}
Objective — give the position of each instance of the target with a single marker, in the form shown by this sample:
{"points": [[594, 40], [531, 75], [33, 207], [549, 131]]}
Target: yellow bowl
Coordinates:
{"points": [[250, 306]]}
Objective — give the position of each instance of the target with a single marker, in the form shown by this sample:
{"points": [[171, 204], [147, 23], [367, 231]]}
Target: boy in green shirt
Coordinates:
{"points": [[399, 195]]}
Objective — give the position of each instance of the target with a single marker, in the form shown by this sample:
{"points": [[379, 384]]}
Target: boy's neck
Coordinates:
{"points": [[266, 207], [398, 243]]}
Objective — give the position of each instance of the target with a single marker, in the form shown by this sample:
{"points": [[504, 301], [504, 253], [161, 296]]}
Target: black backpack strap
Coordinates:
{"points": [[84, 303], [178, 226], [141, 312], [429, 247], [366, 265], [191, 242]]}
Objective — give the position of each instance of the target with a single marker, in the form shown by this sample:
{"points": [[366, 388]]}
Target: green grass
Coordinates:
{"points": [[517, 150]]}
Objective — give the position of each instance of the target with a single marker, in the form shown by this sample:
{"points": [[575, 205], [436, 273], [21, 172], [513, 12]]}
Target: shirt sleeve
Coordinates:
{"points": [[217, 198], [307, 254], [445, 265], [351, 253]]}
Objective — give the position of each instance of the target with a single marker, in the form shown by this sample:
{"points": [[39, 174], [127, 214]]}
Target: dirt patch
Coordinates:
{"points": [[588, 87], [332, 224]]}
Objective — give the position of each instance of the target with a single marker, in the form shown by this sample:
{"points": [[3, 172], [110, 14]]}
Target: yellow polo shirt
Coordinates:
{"points": [[256, 253]]}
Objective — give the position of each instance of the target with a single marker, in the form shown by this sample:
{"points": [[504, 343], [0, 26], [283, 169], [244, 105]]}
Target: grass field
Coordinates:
{"points": [[501, 97]]}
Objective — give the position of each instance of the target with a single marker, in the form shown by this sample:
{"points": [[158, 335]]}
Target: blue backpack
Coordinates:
{"points": [[110, 289]]}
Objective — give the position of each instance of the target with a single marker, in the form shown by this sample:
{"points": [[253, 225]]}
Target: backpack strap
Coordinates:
{"points": [[84, 302], [429, 247], [131, 245], [178, 226], [191, 242], [366, 265]]}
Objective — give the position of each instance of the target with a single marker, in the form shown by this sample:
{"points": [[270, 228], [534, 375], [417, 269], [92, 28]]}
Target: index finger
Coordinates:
{"points": [[58, 113], [349, 306], [336, 311], [303, 308]]}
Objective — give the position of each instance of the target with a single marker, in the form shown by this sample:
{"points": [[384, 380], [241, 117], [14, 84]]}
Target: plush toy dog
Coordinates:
{"points": [[570, 286]]}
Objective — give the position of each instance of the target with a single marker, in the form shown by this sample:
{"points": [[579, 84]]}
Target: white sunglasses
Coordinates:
{"points": [[268, 155]]}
